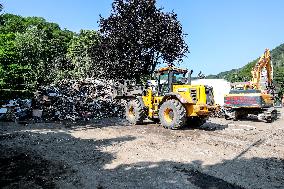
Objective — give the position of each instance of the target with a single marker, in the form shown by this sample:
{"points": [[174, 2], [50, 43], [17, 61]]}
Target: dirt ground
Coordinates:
{"points": [[111, 154]]}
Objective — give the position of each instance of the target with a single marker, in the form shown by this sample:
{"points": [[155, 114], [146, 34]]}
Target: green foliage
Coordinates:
{"points": [[8, 52], [278, 62], [279, 80], [12, 24], [32, 52], [30, 47], [136, 37], [8, 55], [80, 53], [239, 75], [277, 55]]}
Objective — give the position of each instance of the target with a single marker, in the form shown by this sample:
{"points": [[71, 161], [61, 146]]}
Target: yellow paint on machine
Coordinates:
{"points": [[193, 108]]}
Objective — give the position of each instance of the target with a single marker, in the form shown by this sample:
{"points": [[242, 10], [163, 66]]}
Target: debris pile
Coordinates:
{"points": [[15, 110], [218, 113], [76, 100], [71, 100]]}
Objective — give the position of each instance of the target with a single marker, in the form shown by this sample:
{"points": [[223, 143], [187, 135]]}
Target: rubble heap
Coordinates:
{"points": [[15, 110], [218, 113], [76, 100]]}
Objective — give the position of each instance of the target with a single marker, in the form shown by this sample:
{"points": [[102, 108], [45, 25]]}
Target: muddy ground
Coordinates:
{"points": [[111, 154]]}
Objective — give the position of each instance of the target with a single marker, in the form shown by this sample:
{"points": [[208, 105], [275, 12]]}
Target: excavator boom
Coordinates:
{"points": [[264, 62]]}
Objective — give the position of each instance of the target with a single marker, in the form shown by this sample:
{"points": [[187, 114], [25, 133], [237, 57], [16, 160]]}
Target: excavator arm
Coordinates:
{"points": [[264, 62]]}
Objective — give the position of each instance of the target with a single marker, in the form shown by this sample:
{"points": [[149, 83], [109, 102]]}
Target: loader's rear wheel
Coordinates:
{"points": [[134, 112], [172, 114]]}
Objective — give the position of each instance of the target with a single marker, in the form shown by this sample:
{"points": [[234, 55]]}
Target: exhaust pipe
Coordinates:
{"points": [[189, 77]]}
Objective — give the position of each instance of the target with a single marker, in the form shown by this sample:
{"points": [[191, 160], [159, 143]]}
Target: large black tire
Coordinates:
{"points": [[172, 114], [134, 112]]}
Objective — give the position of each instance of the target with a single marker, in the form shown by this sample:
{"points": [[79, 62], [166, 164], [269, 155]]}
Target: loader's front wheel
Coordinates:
{"points": [[172, 114], [134, 112]]}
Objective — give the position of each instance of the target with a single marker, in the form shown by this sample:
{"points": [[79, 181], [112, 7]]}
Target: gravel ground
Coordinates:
{"points": [[111, 154]]}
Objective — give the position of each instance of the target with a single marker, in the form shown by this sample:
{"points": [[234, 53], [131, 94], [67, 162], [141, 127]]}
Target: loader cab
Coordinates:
{"points": [[169, 76]]}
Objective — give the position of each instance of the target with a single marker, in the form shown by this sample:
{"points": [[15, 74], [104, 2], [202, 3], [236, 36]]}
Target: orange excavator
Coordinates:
{"points": [[253, 97]]}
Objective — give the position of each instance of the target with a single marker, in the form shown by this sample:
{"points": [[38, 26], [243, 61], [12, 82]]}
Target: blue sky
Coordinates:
{"points": [[222, 34]]}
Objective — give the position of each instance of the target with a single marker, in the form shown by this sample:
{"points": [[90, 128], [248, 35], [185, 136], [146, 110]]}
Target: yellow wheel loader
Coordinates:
{"points": [[169, 99]]}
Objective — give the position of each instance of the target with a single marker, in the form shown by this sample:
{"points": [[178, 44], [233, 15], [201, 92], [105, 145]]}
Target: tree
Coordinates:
{"points": [[30, 47], [80, 53], [45, 53], [8, 55], [12, 24], [32, 52], [136, 37], [279, 81]]}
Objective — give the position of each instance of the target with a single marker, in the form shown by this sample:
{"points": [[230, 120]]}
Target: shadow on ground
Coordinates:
{"points": [[230, 174], [213, 126], [58, 160], [208, 126], [38, 159], [120, 122]]}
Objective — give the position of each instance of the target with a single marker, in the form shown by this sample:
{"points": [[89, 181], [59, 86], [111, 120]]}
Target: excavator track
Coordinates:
{"points": [[268, 115]]}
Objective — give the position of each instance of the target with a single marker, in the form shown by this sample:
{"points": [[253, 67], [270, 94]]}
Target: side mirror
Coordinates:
{"points": [[189, 77]]}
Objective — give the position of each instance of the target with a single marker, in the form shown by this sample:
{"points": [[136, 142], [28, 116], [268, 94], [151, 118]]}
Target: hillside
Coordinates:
{"points": [[244, 73]]}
